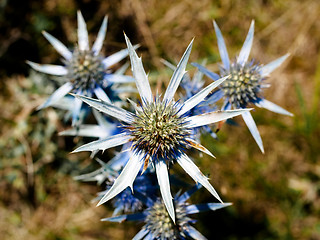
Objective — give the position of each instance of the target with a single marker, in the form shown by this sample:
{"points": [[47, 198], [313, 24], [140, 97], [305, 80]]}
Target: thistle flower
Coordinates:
{"points": [[245, 81], [85, 71], [159, 131], [158, 224]]}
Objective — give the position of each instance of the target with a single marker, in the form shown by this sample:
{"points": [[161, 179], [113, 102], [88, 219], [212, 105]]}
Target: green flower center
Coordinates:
{"points": [[85, 69], [159, 223], [158, 131], [243, 84]]}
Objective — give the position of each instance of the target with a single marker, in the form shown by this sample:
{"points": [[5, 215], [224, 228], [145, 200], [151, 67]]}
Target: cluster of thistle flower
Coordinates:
{"points": [[156, 132]]}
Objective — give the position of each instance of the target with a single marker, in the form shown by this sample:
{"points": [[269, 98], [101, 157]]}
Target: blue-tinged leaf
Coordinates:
{"points": [[248, 119], [128, 217], [188, 165], [101, 94], [200, 96], [108, 109], [83, 39], [125, 178], [57, 95], [117, 78], [168, 64], [76, 110], [119, 160], [140, 235], [106, 143], [163, 180], [272, 107], [102, 121], [270, 67], [49, 68], [208, 118], [194, 233], [215, 97], [227, 105], [246, 48], [196, 208], [139, 74], [185, 196], [96, 48], [206, 72], [88, 130], [122, 70], [149, 236], [59, 46], [177, 75], [116, 57], [222, 47]]}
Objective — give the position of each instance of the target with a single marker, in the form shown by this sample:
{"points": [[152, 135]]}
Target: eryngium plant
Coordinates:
{"points": [[85, 71], [245, 81], [159, 131]]}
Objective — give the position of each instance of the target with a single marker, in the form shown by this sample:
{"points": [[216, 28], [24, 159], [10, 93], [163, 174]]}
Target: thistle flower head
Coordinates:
{"points": [[245, 82], [85, 72], [158, 132], [158, 223]]}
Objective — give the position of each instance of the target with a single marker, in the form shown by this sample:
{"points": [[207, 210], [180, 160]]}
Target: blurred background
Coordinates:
{"points": [[275, 195]]}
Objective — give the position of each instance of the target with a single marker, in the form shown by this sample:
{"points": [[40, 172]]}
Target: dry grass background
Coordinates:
{"points": [[275, 195]]}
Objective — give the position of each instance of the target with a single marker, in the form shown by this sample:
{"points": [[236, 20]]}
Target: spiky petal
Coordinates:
{"points": [[125, 179]]}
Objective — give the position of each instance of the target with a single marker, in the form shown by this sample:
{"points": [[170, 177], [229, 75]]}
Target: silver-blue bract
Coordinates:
{"points": [[157, 222], [103, 129], [191, 87], [158, 131], [85, 71], [245, 82], [126, 201]]}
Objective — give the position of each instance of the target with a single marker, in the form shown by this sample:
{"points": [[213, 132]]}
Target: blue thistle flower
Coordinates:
{"points": [[159, 225], [245, 82], [159, 131], [85, 71]]}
